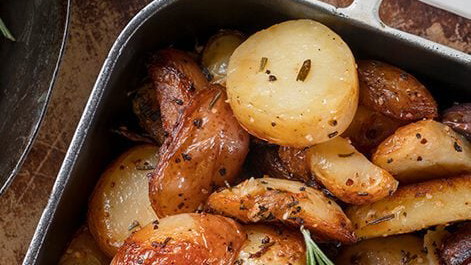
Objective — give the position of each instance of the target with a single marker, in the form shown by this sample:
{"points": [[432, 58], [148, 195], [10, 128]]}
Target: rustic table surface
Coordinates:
{"points": [[93, 28]]}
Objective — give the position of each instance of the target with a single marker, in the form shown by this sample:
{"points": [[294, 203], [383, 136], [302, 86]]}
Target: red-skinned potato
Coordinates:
{"points": [[455, 248], [458, 117], [184, 239], [206, 150]]}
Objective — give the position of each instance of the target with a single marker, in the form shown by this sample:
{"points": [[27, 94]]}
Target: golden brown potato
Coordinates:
{"points": [[369, 128], [204, 152], [348, 174], [424, 150], [455, 249], [293, 84], [394, 93], [176, 78], [414, 207], [184, 239], [432, 242], [296, 162], [395, 250], [272, 245], [291, 202], [83, 250], [217, 52], [120, 203]]}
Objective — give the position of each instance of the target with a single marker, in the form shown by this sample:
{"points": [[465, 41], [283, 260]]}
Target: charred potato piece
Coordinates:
{"points": [[204, 152], [459, 118], [456, 248], [287, 201], [176, 78], [369, 128], [217, 52], [414, 207], [424, 150], [348, 174], [296, 162], [83, 250], [432, 241], [394, 93], [120, 203], [271, 245], [403, 249], [184, 239], [293, 84]]}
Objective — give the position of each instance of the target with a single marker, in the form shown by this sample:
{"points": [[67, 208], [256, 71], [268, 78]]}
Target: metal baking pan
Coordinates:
{"points": [[28, 69], [445, 71]]}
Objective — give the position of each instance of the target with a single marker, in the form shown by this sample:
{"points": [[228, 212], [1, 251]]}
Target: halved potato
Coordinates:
{"points": [[120, 203], [83, 250], [432, 242], [287, 201], [293, 84], [217, 52], [184, 239], [424, 150], [395, 250], [414, 207], [272, 245], [348, 174]]}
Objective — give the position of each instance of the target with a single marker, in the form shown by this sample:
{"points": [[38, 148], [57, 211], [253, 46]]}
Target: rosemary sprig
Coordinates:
{"points": [[6, 33], [314, 255]]}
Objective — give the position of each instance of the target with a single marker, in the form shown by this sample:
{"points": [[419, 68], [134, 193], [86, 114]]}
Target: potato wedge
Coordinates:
{"points": [[348, 174], [217, 52], [414, 207], [458, 117], [176, 78], [432, 241], [395, 250], [394, 93], [455, 249], [120, 203], [287, 201], [424, 150], [271, 245], [293, 84], [83, 250], [296, 162], [184, 239], [204, 152]]}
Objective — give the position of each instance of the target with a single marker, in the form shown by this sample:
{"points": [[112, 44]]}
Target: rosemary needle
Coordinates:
{"points": [[314, 255], [6, 33]]}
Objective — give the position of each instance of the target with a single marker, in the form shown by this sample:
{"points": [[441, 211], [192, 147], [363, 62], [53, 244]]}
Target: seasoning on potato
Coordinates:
{"points": [[293, 84]]}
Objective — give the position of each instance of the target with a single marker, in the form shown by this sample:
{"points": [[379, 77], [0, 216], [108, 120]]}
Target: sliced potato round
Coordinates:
{"points": [[83, 250], [424, 150], [184, 239], [414, 207], [403, 249], [287, 201], [293, 84], [272, 245], [348, 174], [120, 203]]}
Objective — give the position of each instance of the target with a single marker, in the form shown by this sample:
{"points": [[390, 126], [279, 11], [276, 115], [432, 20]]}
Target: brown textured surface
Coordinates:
{"points": [[94, 26]]}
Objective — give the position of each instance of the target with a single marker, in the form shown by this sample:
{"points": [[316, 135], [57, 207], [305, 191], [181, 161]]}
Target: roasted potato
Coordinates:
{"points": [[217, 52], [293, 84], [296, 162], [184, 239], [272, 245], [395, 250], [458, 117], [369, 128], [414, 207], [176, 78], [287, 201], [455, 248], [204, 152], [424, 150], [432, 241], [83, 250], [120, 203], [394, 93], [348, 174]]}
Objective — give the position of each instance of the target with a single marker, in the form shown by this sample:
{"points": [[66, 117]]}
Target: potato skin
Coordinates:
{"points": [[458, 118], [286, 201], [424, 150], [119, 204], [206, 150], [455, 248], [394, 93], [273, 104], [83, 250], [184, 239], [272, 245], [402, 249], [414, 207], [432, 240]]}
